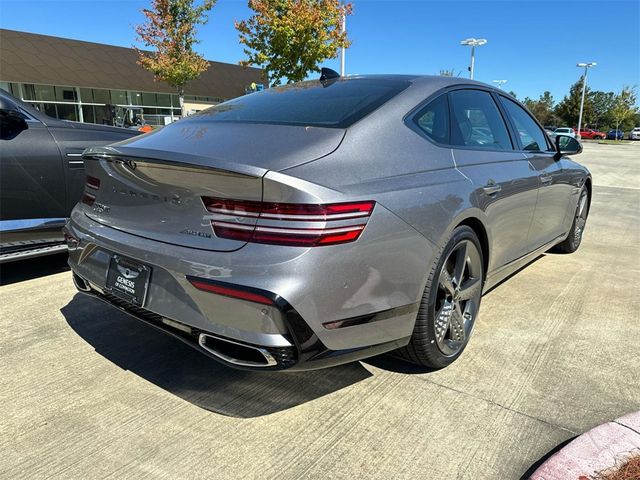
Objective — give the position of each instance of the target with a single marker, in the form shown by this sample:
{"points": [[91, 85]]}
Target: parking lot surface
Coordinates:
{"points": [[88, 392]]}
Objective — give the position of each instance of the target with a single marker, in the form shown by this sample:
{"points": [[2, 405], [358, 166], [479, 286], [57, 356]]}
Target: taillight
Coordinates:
{"points": [[319, 224], [91, 184], [229, 290]]}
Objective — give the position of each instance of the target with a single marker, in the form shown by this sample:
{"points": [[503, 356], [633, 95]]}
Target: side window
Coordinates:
{"points": [[433, 120], [531, 136], [476, 121]]}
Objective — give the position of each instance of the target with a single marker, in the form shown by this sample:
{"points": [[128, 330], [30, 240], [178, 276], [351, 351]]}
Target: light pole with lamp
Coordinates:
{"points": [[473, 43], [500, 83], [586, 67], [343, 28]]}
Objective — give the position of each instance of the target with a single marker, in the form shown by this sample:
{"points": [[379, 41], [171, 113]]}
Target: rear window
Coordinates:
{"points": [[336, 104]]}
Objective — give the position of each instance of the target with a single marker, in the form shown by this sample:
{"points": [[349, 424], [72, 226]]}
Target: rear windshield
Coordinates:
{"points": [[336, 104]]}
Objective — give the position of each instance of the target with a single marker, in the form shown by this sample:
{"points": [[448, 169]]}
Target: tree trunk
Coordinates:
{"points": [[183, 112]]}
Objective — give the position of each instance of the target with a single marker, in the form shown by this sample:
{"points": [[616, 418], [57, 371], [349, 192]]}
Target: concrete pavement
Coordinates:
{"points": [[87, 392]]}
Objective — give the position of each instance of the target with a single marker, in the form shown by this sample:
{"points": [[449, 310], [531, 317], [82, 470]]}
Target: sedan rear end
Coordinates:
{"points": [[199, 230]]}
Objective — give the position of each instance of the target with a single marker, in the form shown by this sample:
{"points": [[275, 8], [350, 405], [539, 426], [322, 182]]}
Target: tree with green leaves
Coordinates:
{"points": [[624, 106], [513, 94], [602, 103], [289, 39], [542, 108], [568, 110], [170, 29]]}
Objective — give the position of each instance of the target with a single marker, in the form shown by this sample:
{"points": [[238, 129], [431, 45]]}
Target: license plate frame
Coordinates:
{"points": [[128, 279]]}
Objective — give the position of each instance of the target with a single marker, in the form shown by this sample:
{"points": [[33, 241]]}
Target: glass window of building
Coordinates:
{"points": [[86, 95], [66, 94], [101, 96], [45, 92], [119, 97], [148, 98], [48, 109], [163, 100], [29, 91], [135, 98], [67, 112], [88, 113], [10, 87], [102, 115]]}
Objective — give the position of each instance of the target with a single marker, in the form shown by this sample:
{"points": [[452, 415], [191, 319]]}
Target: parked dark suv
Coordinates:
{"points": [[41, 175]]}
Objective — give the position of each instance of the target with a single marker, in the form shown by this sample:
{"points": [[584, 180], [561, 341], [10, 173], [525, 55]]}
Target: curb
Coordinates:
{"points": [[594, 451]]}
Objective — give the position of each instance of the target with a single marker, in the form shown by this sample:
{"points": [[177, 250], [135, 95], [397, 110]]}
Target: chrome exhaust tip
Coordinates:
{"points": [[80, 283], [236, 353]]}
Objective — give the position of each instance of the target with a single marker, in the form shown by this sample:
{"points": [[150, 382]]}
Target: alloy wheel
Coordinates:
{"points": [[581, 218], [458, 297]]}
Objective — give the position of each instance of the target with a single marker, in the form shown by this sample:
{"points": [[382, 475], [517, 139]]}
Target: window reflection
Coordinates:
{"points": [[89, 104]]}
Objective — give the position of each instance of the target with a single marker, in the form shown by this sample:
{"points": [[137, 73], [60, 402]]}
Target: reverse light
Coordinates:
{"points": [[319, 229]]}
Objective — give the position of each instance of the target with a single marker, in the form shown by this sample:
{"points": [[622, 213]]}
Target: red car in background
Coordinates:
{"points": [[594, 134]]}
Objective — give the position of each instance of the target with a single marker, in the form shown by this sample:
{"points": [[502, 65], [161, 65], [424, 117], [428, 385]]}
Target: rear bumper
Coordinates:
{"points": [[305, 352], [312, 323]]}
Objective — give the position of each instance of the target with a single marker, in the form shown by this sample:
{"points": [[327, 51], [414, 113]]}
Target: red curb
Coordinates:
{"points": [[594, 451]]}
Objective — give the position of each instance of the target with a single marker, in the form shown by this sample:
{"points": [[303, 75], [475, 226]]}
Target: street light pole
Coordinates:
{"points": [[586, 67], [343, 29], [500, 83], [473, 43]]}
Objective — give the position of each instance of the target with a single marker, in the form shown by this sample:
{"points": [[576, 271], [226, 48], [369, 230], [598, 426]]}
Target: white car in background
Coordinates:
{"points": [[569, 132], [634, 134]]}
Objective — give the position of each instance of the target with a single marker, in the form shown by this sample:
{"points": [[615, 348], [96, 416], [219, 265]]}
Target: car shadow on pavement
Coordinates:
{"points": [[21, 270], [192, 376]]}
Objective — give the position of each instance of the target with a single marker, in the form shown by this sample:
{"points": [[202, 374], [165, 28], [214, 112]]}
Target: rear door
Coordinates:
{"points": [[506, 185], [554, 189], [32, 182]]}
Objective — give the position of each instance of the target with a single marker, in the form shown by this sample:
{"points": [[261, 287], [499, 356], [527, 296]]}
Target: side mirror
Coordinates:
{"points": [[11, 124], [566, 145]]}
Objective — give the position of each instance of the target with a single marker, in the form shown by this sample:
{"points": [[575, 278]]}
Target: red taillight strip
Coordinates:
{"points": [[318, 215], [230, 291], [288, 211], [88, 199], [92, 182], [295, 237], [293, 231]]}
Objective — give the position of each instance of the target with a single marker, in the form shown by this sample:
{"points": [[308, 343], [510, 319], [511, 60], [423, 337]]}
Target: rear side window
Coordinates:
{"points": [[476, 121], [433, 120], [531, 136], [336, 104]]}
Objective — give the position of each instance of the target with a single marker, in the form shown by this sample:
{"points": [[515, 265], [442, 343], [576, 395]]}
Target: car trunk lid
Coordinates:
{"points": [[154, 188]]}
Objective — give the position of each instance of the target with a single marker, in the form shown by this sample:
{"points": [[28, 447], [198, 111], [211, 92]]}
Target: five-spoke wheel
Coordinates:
{"points": [[450, 303]]}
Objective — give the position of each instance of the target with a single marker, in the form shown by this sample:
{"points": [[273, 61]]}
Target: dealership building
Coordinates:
{"points": [[76, 80]]}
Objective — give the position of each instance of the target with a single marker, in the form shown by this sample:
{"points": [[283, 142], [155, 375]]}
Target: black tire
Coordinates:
{"points": [[425, 349], [574, 239]]}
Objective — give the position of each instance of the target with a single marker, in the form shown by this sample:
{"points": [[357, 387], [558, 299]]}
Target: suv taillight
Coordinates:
{"points": [[91, 184], [317, 224]]}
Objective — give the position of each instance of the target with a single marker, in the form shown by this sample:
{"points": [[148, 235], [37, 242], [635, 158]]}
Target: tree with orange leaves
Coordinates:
{"points": [[290, 38], [170, 29]]}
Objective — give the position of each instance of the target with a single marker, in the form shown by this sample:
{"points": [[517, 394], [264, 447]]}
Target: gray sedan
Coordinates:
{"points": [[327, 221]]}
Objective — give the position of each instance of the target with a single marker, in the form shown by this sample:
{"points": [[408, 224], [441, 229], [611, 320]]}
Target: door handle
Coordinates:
{"points": [[491, 188], [546, 179]]}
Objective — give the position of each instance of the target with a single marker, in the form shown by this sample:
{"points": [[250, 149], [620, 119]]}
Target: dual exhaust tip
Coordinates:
{"points": [[236, 353], [227, 350]]}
